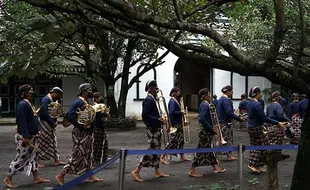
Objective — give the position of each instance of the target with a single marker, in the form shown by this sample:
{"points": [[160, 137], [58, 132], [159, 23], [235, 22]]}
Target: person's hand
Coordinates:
{"points": [[26, 141], [242, 119], [183, 112], [214, 130], [281, 124], [162, 120]]}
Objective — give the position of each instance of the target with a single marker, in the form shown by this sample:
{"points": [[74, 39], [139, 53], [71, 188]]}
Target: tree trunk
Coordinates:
{"points": [[300, 179], [122, 101], [110, 97], [272, 169]]}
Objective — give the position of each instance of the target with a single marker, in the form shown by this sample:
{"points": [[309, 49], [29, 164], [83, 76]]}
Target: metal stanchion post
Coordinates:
{"points": [[122, 167], [240, 165]]}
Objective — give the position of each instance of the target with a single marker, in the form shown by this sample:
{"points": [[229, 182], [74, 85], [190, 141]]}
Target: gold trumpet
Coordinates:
{"points": [[185, 123], [86, 115]]}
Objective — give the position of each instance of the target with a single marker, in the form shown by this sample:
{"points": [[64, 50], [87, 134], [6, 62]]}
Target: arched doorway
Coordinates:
{"points": [[190, 77]]}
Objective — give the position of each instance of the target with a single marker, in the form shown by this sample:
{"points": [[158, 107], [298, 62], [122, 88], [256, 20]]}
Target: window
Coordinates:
{"points": [[42, 90], [240, 85], [4, 90], [149, 75], [5, 108]]}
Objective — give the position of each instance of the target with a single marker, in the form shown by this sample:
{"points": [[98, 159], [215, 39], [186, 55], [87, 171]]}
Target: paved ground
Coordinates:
{"points": [[136, 139]]}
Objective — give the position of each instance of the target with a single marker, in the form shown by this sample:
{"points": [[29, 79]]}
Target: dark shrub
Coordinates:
{"points": [[121, 124]]}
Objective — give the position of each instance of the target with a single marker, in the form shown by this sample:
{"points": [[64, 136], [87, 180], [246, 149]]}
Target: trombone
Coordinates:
{"points": [[185, 123], [167, 128], [219, 141], [270, 129]]}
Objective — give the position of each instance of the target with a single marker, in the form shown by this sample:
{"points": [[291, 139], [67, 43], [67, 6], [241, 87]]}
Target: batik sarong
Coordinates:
{"points": [[25, 159], [296, 125], [204, 159], [47, 142], [257, 138], [81, 157], [101, 146], [154, 140], [227, 132], [176, 139]]}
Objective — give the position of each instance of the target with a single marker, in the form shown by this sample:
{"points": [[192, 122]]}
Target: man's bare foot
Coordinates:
{"points": [[182, 159], [136, 176], [60, 179], [194, 174], [159, 174], [59, 162], [93, 179], [254, 169], [41, 180], [9, 183], [41, 165], [261, 169], [164, 161], [231, 158], [219, 170]]}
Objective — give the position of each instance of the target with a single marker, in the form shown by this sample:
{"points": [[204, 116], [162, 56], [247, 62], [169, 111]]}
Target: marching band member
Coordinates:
{"points": [[176, 116], [153, 122], [226, 115], [293, 114], [101, 143], [303, 104], [242, 109], [205, 136], [275, 112], [28, 126], [46, 138], [256, 119], [215, 100], [82, 136]]}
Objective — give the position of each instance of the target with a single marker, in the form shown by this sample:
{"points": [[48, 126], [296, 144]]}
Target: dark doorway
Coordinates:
{"points": [[190, 78]]}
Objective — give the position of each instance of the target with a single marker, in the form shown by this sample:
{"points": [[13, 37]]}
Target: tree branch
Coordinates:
{"points": [[176, 10]]}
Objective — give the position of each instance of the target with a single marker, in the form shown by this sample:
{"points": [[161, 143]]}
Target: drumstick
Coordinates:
{"points": [[30, 144]]}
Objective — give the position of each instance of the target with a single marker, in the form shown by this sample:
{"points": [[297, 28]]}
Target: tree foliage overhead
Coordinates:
{"points": [[267, 38]]}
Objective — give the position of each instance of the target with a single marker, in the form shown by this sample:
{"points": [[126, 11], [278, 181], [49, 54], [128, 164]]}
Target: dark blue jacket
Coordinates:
{"points": [[256, 115], [283, 102], [293, 108], [175, 114], [72, 115], [215, 102], [150, 114], [204, 117], [242, 105], [275, 112], [262, 102], [28, 124], [303, 107], [100, 123], [225, 110], [44, 115]]}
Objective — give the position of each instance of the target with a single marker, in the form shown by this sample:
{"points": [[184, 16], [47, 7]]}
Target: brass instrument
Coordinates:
{"points": [[185, 123], [55, 109], [86, 115], [237, 111], [219, 141], [102, 108], [167, 129], [287, 126]]}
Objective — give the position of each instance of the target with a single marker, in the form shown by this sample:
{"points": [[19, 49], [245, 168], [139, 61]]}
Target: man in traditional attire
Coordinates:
{"points": [[101, 143], [294, 116], [153, 122], [27, 128], [215, 100], [226, 115], [46, 138], [256, 120], [82, 136], [205, 136], [242, 109], [176, 120]]}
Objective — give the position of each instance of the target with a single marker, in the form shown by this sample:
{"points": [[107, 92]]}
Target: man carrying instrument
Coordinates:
{"points": [[176, 117], [46, 138], [27, 127], [242, 109], [226, 115], [153, 122], [256, 120], [205, 136], [101, 145], [275, 112], [82, 136], [294, 116]]}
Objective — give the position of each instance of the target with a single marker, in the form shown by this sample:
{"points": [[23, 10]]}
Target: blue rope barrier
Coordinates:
{"points": [[86, 175], [178, 151], [271, 147]]}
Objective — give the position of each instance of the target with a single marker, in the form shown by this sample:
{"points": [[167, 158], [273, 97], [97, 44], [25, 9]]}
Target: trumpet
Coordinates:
{"points": [[86, 115], [220, 139], [185, 123]]}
